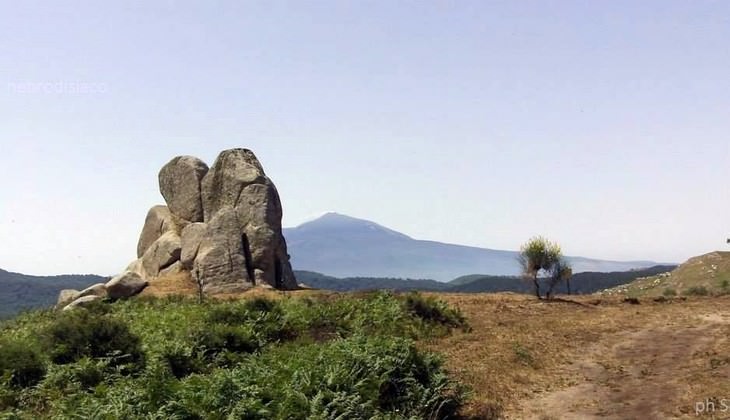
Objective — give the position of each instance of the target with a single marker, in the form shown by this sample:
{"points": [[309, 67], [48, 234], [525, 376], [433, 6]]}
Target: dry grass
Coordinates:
{"points": [[172, 284], [611, 360]]}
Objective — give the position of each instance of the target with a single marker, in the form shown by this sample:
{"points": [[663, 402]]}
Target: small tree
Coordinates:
{"points": [[538, 256]]}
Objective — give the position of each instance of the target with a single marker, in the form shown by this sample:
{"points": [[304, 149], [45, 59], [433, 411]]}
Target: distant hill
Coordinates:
{"points": [[581, 283], [708, 273], [344, 246], [321, 281], [20, 291]]}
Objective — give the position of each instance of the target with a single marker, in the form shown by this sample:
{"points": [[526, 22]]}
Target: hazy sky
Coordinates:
{"points": [[603, 125]]}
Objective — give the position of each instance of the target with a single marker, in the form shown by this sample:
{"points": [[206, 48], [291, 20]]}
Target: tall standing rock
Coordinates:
{"points": [[223, 262], [180, 187], [237, 182]]}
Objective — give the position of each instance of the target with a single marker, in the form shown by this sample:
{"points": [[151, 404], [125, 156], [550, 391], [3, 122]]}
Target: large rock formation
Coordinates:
{"points": [[222, 224]]}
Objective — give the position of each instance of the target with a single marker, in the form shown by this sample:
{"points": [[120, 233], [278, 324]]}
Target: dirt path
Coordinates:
{"points": [[640, 374]]}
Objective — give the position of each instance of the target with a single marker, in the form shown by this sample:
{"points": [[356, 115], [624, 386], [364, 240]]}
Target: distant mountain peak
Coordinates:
{"points": [[333, 221]]}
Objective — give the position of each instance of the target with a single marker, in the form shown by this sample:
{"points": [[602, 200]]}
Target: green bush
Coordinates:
{"points": [[81, 333], [20, 364], [669, 292], [216, 338], [434, 311], [697, 291]]}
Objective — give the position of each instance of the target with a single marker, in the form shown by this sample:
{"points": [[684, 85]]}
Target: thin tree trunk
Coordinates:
{"points": [[568, 281], [537, 287]]}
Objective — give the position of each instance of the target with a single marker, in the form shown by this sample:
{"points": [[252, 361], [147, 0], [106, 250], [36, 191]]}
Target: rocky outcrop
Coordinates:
{"points": [[222, 226]]}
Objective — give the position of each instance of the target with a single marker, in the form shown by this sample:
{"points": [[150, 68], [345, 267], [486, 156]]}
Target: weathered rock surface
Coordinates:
{"points": [[237, 181], [159, 221], [191, 238], [98, 289], [163, 253], [222, 263], [125, 285], [180, 186], [223, 185]]}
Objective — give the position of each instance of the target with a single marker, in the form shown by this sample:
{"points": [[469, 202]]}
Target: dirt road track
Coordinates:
{"points": [[635, 375]]}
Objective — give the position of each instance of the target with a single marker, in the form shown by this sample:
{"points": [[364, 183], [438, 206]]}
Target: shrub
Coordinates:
{"points": [[434, 311], [264, 316], [669, 292], [216, 338], [20, 364], [697, 291], [523, 355], [262, 304], [80, 333], [182, 360]]}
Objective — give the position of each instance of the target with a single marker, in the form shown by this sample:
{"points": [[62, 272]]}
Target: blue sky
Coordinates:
{"points": [[603, 125]]}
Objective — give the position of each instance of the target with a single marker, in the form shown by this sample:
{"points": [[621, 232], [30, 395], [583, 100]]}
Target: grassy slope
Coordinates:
{"points": [[710, 271], [315, 355]]}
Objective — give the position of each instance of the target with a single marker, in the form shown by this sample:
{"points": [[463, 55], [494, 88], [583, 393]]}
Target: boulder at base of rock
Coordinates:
{"points": [[82, 302], [67, 296], [125, 285], [180, 186], [98, 289]]}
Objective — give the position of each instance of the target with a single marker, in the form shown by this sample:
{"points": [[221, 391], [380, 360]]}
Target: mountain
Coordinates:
{"points": [[344, 246], [20, 291]]}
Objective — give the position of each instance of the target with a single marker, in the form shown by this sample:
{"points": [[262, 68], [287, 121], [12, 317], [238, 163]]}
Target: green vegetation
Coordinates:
{"points": [[696, 291], [21, 292], [324, 356], [541, 256], [669, 292]]}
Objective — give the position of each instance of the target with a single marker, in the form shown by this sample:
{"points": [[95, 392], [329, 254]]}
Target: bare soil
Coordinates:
{"points": [[603, 359]]}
